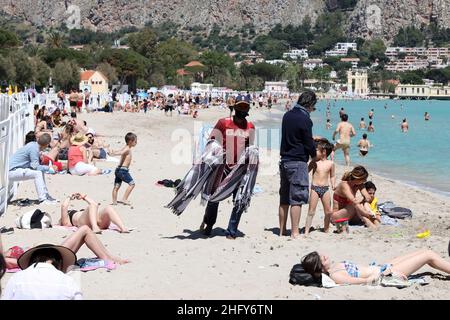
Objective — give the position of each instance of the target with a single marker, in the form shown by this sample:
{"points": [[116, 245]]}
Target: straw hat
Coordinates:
{"points": [[69, 258], [79, 139]]}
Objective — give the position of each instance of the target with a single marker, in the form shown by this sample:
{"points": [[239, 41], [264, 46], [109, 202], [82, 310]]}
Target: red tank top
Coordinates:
{"points": [[74, 156]]}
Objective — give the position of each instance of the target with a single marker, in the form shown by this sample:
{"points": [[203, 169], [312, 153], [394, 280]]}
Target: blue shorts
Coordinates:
{"points": [[103, 154], [294, 183], [123, 175]]}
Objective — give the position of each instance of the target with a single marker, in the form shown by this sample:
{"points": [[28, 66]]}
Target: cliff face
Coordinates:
{"points": [[383, 18], [111, 15], [369, 18]]}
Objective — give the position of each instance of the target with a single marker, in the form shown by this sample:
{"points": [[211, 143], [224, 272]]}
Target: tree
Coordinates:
{"points": [[172, 55], [144, 42], [8, 39], [108, 71], [41, 72], [439, 75], [66, 75], [412, 77], [270, 48], [55, 40], [142, 84], [267, 72], [374, 50], [219, 66], [129, 65], [409, 37], [7, 69]]}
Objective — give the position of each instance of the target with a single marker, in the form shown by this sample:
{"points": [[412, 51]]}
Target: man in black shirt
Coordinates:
{"points": [[297, 146]]}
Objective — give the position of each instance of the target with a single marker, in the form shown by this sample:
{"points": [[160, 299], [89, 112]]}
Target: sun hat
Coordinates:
{"points": [[69, 257], [79, 139]]}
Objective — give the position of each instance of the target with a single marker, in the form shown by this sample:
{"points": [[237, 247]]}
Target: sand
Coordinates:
{"points": [[171, 260]]}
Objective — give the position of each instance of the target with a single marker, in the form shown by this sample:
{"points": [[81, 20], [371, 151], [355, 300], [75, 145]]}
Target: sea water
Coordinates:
{"points": [[420, 157]]}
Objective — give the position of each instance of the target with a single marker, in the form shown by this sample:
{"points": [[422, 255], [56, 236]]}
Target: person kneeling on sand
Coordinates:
{"points": [[92, 217], [347, 272], [345, 203], [44, 266], [78, 160]]}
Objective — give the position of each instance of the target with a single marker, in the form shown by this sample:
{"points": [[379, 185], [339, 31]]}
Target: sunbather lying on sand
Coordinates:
{"points": [[346, 272], [74, 242], [91, 216]]}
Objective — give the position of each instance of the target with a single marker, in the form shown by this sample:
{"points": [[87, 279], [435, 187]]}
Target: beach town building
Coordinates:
{"points": [[94, 81], [295, 54], [357, 82], [311, 64], [353, 61], [253, 56], [276, 61], [408, 63], [201, 88], [276, 87], [425, 91], [341, 49]]}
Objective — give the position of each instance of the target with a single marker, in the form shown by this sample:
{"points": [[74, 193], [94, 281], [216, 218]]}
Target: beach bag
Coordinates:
{"points": [[35, 219], [398, 212], [298, 276]]}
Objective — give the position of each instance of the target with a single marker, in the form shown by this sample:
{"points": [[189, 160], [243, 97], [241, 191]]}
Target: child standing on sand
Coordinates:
{"points": [[323, 171], [122, 172]]}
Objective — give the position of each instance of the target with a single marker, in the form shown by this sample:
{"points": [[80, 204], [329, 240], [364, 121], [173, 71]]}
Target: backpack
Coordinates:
{"points": [[398, 212], [34, 220], [298, 276]]}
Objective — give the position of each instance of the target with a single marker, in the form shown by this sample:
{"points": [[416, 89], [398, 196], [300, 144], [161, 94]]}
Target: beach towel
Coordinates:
{"points": [[388, 221], [329, 283], [90, 264], [398, 212], [84, 264], [112, 227]]}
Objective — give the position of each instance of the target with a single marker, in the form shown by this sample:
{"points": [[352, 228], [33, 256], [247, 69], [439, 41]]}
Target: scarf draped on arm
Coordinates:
{"points": [[207, 173]]}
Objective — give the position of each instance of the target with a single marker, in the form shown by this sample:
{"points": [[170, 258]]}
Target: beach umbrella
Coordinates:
{"points": [[10, 92], [15, 89], [142, 94]]}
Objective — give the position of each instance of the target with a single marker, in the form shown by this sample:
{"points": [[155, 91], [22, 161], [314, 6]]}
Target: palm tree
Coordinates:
{"points": [[55, 40]]}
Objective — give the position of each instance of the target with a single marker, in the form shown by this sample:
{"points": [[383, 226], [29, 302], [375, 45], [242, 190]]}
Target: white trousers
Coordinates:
{"points": [[30, 174]]}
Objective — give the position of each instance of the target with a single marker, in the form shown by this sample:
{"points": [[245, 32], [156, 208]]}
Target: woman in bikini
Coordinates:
{"points": [[346, 205], [91, 216], [347, 272], [74, 242]]}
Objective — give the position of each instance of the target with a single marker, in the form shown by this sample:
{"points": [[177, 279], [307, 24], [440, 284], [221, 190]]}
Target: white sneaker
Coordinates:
{"points": [[49, 202], [50, 198]]}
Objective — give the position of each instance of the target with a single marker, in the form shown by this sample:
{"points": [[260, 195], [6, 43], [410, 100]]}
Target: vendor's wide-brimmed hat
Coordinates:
{"points": [[242, 103], [79, 139], [69, 257]]}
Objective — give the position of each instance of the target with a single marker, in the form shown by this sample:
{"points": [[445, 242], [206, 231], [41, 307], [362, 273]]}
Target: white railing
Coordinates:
{"points": [[16, 119]]}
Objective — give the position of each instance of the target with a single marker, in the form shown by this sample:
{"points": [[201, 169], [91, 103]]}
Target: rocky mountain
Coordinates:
{"points": [[368, 18]]}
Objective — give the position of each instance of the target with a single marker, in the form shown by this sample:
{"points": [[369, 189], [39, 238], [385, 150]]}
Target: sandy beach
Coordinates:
{"points": [[172, 260]]}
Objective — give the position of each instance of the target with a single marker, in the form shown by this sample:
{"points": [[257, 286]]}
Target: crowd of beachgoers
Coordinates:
{"points": [[63, 143]]}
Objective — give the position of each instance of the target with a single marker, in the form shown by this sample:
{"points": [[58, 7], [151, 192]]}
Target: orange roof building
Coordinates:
{"points": [[194, 64], [93, 81]]}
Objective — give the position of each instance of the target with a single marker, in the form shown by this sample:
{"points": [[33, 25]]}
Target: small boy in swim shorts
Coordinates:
{"points": [[122, 173], [323, 171]]}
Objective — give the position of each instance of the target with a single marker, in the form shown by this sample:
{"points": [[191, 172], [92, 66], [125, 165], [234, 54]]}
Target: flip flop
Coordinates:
{"points": [[106, 171]]}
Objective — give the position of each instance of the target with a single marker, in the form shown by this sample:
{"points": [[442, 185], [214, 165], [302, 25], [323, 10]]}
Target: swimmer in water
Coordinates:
{"points": [[371, 114], [427, 116], [364, 145], [362, 124], [328, 125], [346, 131], [371, 128], [404, 126]]}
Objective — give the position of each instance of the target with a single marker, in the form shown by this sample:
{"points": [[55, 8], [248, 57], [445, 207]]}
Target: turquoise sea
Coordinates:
{"points": [[420, 157]]}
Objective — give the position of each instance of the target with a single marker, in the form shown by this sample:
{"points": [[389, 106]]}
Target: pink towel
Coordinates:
{"points": [[109, 265], [112, 227]]}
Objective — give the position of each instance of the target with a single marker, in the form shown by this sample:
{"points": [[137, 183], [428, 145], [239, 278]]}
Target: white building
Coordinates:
{"points": [[201, 88], [341, 49], [276, 61], [310, 64], [279, 87], [423, 91], [295, 54]]}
